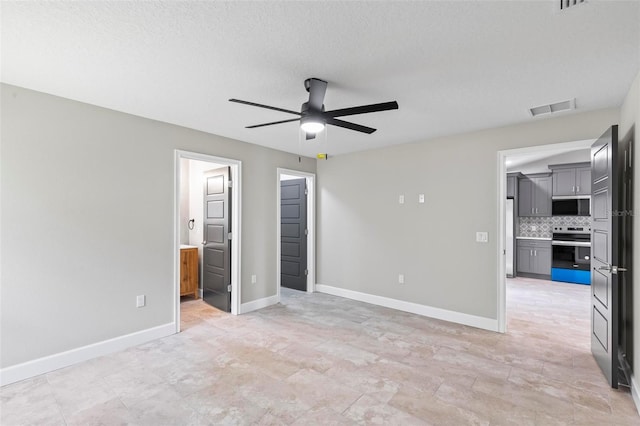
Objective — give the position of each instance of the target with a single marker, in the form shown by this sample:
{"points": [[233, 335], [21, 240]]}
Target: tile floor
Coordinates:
{"points": [[317, 359]]}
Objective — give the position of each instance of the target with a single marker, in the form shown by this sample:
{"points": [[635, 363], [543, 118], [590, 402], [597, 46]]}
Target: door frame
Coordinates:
{"points": [[501, 202], [311, 226], [236, 216]]}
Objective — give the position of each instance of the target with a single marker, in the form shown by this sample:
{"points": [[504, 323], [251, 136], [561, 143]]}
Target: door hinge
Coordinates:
{"points": [[306, 232], [230, 184], [306, 272], [306, 191], [230, 236], [229, 288]]}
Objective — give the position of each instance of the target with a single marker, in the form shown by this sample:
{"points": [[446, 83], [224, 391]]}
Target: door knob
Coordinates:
{"points": [[612, 268], [204, 242]]}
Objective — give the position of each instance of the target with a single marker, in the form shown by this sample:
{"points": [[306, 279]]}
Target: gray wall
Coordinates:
{"points": [[630, 119], [365, 238], [87, 221]]}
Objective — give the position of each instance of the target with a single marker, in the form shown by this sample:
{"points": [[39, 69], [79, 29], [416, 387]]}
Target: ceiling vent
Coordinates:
{"points": [[553, 108], [566, 4]]}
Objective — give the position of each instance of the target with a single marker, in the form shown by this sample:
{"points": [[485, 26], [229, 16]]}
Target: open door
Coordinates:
{"points": [[293, 229], [605, 259], [216, 250]]}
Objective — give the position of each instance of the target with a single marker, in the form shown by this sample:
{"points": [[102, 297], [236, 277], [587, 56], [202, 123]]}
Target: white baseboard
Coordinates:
{"points": [[635, 392], [254, 305], [414, 308], [46, 364]]}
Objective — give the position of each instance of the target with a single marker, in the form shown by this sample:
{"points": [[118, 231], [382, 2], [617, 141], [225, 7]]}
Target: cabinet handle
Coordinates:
{"points": [[578, 188], [535, 252], [536, 210], [573, 189], [530, 252]]}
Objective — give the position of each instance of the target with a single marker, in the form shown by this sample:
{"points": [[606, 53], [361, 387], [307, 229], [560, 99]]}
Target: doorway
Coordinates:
{"points": [[297, 180], [527, 161], [191, 218]]}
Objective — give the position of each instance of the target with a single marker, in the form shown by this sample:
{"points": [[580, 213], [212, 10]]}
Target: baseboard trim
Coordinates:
{"points": [[635, 392], [254, 305], [18, 372], [414, 308]]}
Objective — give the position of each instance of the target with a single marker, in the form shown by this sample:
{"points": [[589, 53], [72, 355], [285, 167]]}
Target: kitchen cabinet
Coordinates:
{"points": [[571, 179], [511, 186], [189, 271], [534, 195], [534, 258]]}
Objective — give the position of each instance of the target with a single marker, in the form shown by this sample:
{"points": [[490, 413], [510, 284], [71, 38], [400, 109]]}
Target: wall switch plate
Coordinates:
{"points": [[421, 198], [401, 279], [253, 279], [401, 199], [140, 301], [482, 237]]}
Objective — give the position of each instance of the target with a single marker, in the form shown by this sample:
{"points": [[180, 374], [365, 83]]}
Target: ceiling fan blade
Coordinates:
{"points": [[272, 123], [384, 106], [310, 136], [317, 90], [350, 126], [238, 101]]}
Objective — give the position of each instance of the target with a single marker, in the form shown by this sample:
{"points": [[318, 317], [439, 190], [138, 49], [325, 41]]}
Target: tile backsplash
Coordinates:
{"points": [[544, 225]]}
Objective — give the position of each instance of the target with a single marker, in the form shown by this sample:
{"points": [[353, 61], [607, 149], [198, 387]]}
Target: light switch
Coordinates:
{"points": [[421, 198], [254, 279], [401, 199], [401, 279], [482, 237], [140, 301]]}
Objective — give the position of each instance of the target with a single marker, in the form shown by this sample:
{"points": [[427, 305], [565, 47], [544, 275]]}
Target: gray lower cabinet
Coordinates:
{"points": [[534, 195], [534, 258]]}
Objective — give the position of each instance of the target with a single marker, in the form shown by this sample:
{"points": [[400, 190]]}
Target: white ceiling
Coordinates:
{"points": [[453, 66]]}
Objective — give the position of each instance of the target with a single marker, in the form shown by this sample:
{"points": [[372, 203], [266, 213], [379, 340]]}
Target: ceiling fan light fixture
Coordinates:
{"points": [[312, 125]]}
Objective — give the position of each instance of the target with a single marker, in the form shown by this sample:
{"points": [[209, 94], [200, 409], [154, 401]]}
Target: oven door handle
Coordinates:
{"points": [[571, 243]]}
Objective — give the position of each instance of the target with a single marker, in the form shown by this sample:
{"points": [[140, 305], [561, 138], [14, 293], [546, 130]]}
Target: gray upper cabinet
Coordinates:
{"points": [[534, 195], [511, 186], [571, 179], [583, 181]]}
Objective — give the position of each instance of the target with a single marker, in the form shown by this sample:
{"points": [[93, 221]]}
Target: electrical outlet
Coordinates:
{"points": [[253, 279], [421, 198], [140, 301], [401, 279], [482, 237], [401, 199]]}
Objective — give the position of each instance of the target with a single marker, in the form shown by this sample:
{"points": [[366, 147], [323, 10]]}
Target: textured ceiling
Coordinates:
{"points": [[453, 66]]}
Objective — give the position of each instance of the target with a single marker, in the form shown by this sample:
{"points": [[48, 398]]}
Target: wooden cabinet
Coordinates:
{"points": [[189, 271], [534, 195], [534, 258], [571, 179]]}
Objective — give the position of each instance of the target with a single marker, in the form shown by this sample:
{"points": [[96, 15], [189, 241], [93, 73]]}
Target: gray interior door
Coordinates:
{"points": [[625, 278], [604, 259], [216, 250], [293, 230]]}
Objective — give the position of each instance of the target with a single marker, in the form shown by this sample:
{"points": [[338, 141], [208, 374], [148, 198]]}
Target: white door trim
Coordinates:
{"points": [[236, 226], [502, 196], [311, 225]]}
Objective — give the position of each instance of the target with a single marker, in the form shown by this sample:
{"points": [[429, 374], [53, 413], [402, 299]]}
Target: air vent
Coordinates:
{"points": [[566, 4], [553, 108]]}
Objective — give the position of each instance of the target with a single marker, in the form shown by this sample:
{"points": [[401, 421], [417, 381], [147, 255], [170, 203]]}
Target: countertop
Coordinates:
{"points": [[185, 246], [534, 238]]}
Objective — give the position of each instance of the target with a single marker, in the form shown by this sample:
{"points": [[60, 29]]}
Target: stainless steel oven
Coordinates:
{"points": [[571, 254]]}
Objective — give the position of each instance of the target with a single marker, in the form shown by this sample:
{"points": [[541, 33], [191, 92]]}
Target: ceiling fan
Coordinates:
{"points": [[312, 116]]}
